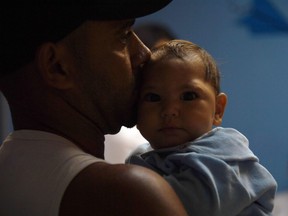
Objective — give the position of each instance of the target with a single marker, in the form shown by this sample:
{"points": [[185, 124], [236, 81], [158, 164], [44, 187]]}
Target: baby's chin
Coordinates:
{"points": [[168, 144]]}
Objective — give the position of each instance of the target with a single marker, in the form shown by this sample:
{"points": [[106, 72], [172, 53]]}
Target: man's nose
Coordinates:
{"points": [[140, 53]]}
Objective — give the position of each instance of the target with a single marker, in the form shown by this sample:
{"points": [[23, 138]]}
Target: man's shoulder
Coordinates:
{"points": [[107, 189], [115, 178], [104, 173]]}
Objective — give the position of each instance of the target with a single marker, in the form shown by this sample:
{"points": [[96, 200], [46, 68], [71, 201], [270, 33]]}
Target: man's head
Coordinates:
{"points": [[77, 60], [27, 24]]}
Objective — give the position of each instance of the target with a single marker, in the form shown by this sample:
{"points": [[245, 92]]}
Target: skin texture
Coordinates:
{"points": [[81, 88], [176, 103], [120, 190]]}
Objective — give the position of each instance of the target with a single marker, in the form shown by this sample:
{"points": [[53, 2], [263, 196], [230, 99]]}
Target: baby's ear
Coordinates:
{"points": [[53, 67], [221, 101]]}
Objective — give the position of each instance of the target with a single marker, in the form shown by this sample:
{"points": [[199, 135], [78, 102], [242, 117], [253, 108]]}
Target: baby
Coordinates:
{"points": [[180, 111]]}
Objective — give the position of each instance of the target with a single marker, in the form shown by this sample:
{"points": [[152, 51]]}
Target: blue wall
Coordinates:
{"points": [[253, 66]]}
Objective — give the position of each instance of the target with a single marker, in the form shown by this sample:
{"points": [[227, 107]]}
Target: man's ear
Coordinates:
{"points": [[221, 101], [53, 67]]}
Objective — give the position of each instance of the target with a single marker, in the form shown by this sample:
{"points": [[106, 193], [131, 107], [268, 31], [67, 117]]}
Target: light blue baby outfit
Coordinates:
{"points": [[215, 175]]}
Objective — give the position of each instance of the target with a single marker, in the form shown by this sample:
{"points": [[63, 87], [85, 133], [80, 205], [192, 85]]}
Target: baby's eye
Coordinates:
{"points": [[189, 96], [152, 97]]}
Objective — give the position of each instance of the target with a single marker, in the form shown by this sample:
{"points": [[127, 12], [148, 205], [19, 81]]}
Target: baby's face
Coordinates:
{"points": [[176, 103]]}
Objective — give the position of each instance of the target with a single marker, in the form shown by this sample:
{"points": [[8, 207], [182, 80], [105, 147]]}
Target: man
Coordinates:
{"points": [[69, 74]]}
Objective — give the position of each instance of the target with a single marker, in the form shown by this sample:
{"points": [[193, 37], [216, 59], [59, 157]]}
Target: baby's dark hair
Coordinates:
{"points": [[187, 50]]}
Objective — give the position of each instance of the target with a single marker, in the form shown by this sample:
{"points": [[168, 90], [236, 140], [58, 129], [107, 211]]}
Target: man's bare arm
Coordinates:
{"points": [[105, 189]]}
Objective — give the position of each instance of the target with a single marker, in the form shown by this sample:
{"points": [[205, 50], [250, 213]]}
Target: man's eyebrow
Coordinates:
{"points": [[121, 26], [128, 24]]}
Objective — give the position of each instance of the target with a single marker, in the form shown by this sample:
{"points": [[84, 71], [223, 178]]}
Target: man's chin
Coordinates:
{"points": [[130, 120], [117, 130], [130, 124]]}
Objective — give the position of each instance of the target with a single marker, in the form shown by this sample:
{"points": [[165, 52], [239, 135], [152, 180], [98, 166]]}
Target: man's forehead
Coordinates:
{"points": [[122, 24]]}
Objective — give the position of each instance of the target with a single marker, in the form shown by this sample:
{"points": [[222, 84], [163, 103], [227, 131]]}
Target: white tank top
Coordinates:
{"points": [[35, 169]]}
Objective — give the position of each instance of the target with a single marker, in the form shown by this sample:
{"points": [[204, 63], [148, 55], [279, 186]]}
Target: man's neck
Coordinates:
{"points": [[66, 123]]}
